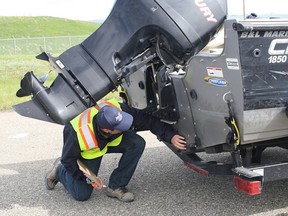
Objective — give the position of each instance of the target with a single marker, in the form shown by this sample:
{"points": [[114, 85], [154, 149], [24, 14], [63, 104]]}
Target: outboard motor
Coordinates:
{"points": [[173, 30]]}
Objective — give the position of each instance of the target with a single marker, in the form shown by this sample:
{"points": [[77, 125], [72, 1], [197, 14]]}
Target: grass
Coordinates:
{"points": [[14, 67], [27, 27], [12, 70]]}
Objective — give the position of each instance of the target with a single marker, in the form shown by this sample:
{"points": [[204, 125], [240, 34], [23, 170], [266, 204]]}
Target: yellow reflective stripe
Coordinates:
{"points": [[94, 153], [83, 126], [116, 141], [114, 102]]}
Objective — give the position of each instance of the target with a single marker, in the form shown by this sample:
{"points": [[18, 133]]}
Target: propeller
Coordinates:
{"points": [[28, 82]]}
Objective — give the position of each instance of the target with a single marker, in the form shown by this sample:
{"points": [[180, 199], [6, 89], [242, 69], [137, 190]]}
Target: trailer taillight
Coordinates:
{"points": [[247, 186]]}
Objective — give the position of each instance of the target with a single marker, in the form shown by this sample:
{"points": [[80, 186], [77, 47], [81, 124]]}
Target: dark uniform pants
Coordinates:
{"points": [[131, 147]]}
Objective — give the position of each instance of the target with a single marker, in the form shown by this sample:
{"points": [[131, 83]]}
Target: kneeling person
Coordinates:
{"points": [[101, 130]]}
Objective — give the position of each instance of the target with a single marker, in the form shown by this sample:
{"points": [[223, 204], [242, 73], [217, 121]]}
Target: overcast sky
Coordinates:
{"points": [[70, 9], [258, 6], [99, 9]]}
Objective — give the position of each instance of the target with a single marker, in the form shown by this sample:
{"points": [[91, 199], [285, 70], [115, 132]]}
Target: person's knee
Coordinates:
{"points": [[82, 191], [82, 196], [133, 142], [140, 144]]}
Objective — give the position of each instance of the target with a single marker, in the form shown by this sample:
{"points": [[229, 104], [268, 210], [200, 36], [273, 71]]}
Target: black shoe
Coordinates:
{"points": [[50, 178]]}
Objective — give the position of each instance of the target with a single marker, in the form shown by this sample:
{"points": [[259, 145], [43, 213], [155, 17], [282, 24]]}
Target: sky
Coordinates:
{"points": [[89, 10], [259, 7], [85, 10]]}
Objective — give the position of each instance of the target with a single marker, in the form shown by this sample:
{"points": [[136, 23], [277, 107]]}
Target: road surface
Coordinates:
{"points": [[162, 185]]}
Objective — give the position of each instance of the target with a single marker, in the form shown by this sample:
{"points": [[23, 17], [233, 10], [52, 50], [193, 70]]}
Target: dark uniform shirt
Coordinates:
{"points": [[141, 121]]}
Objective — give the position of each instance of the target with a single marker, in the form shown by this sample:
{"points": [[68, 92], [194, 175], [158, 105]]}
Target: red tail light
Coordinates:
{"points": [[247, 186]]}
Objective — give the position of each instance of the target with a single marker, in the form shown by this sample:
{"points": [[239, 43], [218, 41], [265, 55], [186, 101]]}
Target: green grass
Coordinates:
{"points": [[14, 67], [12, 70], [27, 27]]}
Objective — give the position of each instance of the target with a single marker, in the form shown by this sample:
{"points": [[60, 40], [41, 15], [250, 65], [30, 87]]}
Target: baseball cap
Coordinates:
{"points": [[110, 117]]}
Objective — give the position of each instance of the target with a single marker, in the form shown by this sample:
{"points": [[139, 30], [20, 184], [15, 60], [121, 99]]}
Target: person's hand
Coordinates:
{"points": [[179, 142]]}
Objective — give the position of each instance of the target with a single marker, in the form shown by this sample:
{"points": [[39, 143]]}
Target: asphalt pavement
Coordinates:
{"points": [[162, 185]]}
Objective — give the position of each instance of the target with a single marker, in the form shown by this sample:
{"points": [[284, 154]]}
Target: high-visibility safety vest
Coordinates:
{"points": [[83, 126]]}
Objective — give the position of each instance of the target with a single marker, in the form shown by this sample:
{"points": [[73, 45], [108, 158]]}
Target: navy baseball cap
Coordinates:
{"points": [[110, 117]]}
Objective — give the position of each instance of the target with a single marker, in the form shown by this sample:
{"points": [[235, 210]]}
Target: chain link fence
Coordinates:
{"points": [[31, 46]]}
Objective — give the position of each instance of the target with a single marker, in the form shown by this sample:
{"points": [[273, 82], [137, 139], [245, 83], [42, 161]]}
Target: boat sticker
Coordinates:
{"points": [[232, 63], [60, 64], [214, 71], [216, 81]]}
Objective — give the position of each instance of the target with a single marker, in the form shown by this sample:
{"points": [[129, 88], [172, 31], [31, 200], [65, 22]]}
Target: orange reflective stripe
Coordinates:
{"points": [[107, 103], [81, 131], [83, 126], [93, 137], [88, 116], [83, 137], [86, 133], [80, 120]]}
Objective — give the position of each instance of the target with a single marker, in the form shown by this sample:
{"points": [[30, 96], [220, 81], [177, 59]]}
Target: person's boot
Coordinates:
{"points": [[121, 194], [50, 178]]}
